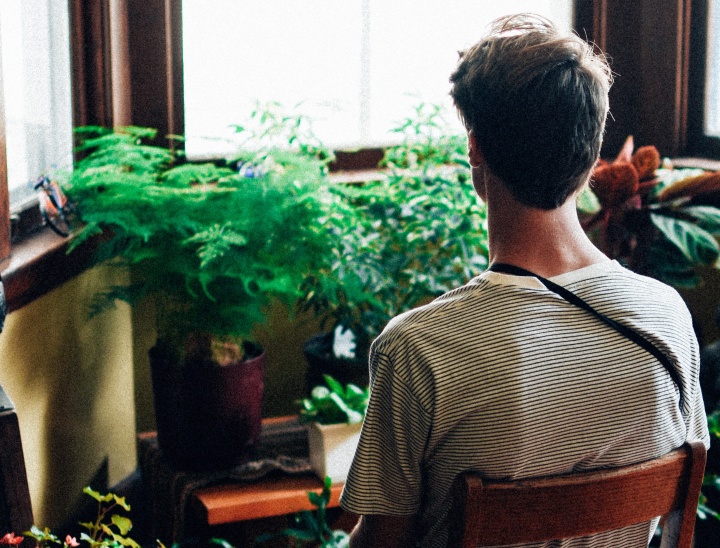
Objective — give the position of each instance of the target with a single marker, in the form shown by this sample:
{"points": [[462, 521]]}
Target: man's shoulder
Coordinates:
{"points": [[453, 301], [621, 280]]}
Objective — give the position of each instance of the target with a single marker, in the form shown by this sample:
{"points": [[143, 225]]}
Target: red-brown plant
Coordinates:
{"points": [[656, 221]]}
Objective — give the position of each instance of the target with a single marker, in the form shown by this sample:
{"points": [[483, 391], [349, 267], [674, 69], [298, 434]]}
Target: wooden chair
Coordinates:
{"points": [[488, 513], [15, 507]]}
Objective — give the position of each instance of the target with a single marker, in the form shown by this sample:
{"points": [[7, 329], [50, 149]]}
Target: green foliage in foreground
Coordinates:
{"points": [[110, 529], [211, 244]]}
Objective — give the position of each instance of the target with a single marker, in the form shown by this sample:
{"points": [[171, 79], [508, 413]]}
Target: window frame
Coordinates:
{"points": [[699, 143], [34, 263], [649, 98]]}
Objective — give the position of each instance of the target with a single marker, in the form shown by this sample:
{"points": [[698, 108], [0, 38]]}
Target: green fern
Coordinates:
{"points": [[210, 246]]}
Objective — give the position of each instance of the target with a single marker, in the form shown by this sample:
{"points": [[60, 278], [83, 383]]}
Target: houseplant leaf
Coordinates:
{"points": [[708, 217], [697, 244]]}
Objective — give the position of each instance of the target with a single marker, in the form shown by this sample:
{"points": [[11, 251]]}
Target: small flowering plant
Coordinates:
{"points": [[110, 529], [658, 220]]}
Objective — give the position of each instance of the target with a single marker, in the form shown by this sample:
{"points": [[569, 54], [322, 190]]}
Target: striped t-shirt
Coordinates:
{"points": [[505, 377]]}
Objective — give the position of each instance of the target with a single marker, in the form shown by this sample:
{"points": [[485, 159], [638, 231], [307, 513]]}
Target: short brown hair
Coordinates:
{"points": [[536, 102]]}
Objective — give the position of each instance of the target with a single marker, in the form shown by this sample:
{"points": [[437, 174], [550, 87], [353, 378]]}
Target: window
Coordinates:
{"points": [[34, 44], [645, 40], [712, 71], [704, 80], [354, 67]]}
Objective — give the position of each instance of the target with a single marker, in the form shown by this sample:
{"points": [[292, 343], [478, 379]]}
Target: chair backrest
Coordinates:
{"points": [[15, 507], [488, 513]]}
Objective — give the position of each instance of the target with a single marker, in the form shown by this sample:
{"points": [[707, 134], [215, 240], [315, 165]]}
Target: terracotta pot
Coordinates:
{"points": [[208, 416]]}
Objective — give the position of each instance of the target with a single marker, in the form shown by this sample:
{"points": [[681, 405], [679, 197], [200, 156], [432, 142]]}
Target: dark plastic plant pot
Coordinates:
{"points": [[208, 416], [321, 360]]}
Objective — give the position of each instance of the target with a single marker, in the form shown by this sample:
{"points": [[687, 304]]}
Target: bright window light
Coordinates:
{"points": [[34, 44], [712, 71], [354, 67]]}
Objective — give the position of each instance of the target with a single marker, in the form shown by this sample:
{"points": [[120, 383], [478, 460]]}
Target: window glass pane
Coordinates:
{"points": [[354, 67], [712, 71], [34, 42]]}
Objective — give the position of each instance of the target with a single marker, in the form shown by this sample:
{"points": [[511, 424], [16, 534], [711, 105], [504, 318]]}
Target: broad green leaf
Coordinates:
{"points": [[334, 385], [353, 417], [97, 496], [587, 201], [124, 541], [121, 501], [671, 267], [697, 244], [221, 542], [315, 498], [355, 389], [122, 523], [708, 217]]}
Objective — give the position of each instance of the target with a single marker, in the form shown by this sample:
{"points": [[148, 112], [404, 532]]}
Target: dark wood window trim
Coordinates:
{"points": [[37, 262], [4, 194], [648, 42]]}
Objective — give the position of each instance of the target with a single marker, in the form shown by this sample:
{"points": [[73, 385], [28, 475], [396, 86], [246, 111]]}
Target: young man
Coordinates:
{"points": [[503, 375]]}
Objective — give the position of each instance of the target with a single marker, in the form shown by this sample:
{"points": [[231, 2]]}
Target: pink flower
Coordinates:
{"points": [[10, 538], [71, 541]]}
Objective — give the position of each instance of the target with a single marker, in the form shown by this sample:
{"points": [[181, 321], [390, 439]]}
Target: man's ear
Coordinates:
{"points": [[474, 154]]}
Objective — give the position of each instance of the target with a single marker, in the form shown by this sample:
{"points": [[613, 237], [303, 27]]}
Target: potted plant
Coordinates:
{"points": [[412, 233], [334, 414], [210, 244], [658, 220]]}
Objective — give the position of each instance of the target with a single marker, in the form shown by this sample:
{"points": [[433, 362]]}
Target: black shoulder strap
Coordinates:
{"points": [[628, 332]]}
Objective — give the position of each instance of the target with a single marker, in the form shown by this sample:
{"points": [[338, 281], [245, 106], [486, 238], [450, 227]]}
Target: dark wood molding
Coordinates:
{"points": [[648, 45], [156, 79], [40, 263], [92, 77], [663, 108], [4, 192], [698, 143], [590, 21]]}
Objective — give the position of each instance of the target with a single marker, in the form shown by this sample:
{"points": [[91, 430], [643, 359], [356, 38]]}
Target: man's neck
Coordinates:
{"points": [[546, 242]]}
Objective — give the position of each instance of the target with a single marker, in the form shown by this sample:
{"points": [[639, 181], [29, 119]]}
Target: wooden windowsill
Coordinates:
{"points": [[37, 264]]}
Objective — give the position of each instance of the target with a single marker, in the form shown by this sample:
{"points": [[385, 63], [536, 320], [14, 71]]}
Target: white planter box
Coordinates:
{"points": [[332, 447]]}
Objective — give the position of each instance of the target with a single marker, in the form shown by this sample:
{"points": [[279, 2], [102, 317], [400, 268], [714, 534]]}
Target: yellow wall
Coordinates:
{"points": [[71, 380], [82, 386]]}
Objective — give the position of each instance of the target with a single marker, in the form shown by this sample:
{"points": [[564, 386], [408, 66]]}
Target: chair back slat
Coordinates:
{"points": [[586, 503]]}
